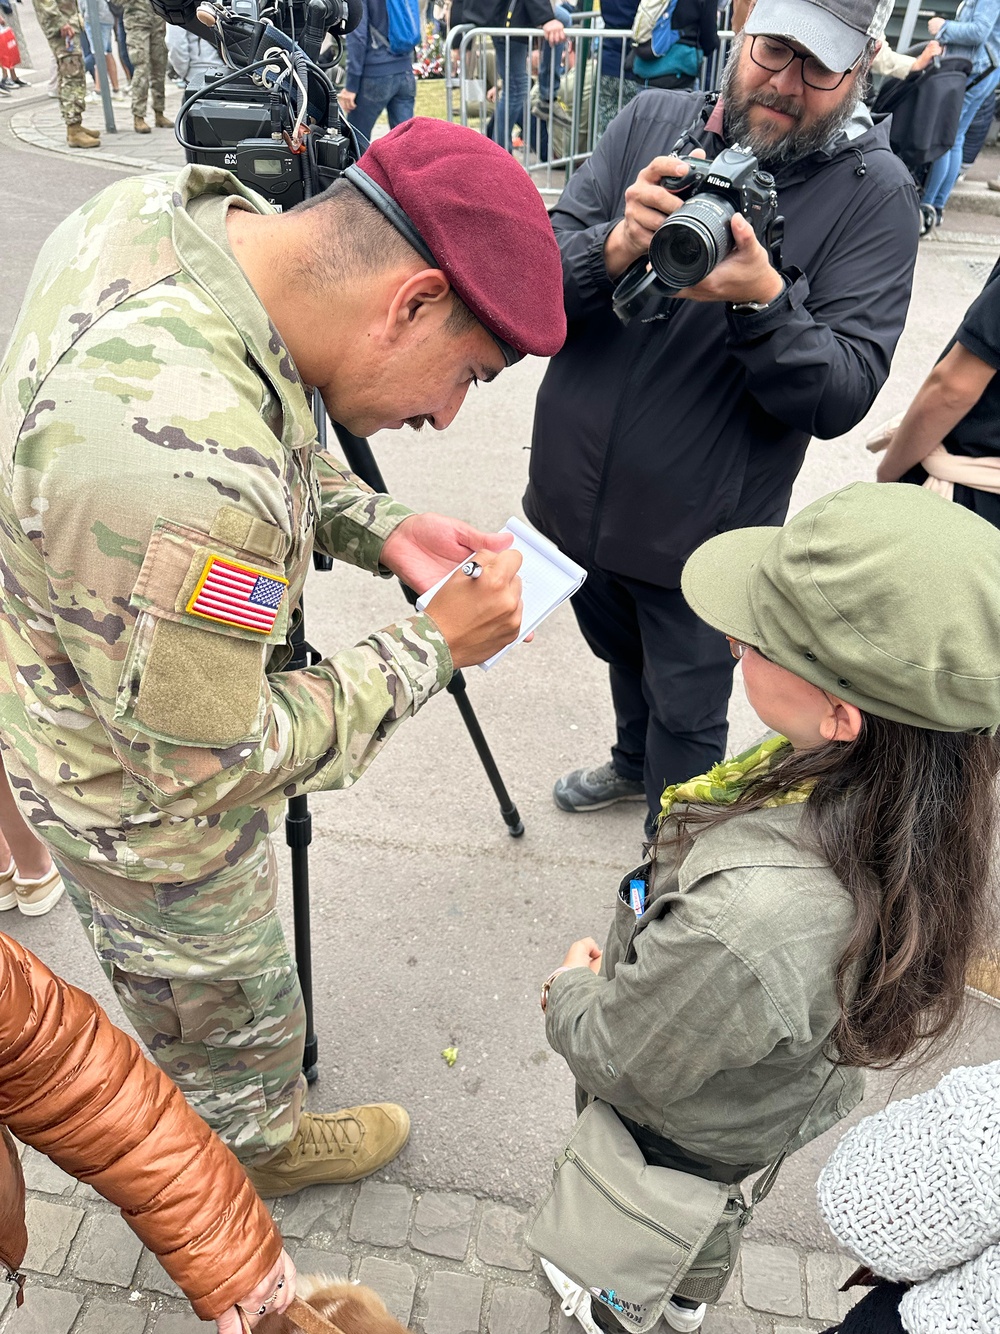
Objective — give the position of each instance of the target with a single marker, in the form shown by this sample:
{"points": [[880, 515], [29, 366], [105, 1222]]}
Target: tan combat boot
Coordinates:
{"points": [[163, 122], [78, 136], [336, 1147], [140, 126]]}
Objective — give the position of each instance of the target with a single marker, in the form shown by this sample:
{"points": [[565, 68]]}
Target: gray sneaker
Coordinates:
{"points": [[593, 789]]}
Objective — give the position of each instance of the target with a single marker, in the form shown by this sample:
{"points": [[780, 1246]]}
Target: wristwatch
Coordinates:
{"points": [[755, 307]]}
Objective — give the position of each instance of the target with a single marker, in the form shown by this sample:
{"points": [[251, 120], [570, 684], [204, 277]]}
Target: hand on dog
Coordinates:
{"points": [[349, 1307], [265, 1291]]}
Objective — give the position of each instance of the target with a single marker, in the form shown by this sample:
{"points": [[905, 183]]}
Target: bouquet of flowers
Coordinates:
{"points": [[428, 60]]}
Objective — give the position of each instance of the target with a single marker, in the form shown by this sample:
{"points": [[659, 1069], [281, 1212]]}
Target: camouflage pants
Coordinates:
{"points": [[203, 972], [147, 49], [72, 81], [610, 89]]}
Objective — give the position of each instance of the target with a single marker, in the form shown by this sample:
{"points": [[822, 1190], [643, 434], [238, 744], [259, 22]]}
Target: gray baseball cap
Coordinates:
{"points": [[834, 31], [881, 594]]}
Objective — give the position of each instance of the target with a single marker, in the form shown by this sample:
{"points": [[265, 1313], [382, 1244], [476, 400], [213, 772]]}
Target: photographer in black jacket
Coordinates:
{"points": [[652, 436]]}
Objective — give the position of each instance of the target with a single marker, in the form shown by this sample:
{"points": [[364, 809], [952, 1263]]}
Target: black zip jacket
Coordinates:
{"points": [[650, 438]]}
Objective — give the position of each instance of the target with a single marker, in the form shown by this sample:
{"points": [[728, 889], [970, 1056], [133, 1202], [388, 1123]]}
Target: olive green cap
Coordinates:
{"points": [[882, 594]]}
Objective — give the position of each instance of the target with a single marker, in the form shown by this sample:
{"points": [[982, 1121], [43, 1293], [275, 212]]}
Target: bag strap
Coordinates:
{"points": [[763, 1185]]}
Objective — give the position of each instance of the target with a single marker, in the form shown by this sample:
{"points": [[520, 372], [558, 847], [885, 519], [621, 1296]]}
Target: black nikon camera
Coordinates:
{"points": [[692, 241]]}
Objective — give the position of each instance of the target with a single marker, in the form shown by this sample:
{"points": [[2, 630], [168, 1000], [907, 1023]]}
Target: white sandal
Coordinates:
{"points": [[34, 898]]}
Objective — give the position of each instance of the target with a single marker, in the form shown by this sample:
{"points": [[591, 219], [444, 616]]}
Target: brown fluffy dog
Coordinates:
{"points": [[353, 1309]]}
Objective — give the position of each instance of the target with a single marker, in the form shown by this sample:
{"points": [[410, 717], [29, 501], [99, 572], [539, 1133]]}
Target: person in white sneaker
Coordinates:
{"points": [[29, 880]]}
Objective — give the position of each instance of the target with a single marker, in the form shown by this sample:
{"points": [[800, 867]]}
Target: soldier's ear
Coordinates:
{"points": [[421, 297]]}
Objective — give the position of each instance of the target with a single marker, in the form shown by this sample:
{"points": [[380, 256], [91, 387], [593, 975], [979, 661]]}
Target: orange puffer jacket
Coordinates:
{"points": [[80, 1091]]}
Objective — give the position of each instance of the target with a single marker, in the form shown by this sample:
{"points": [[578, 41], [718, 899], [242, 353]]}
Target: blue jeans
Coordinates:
{"points": [[511, 107], [944, 172], [122, 41], [87, 51], [394, 94]]}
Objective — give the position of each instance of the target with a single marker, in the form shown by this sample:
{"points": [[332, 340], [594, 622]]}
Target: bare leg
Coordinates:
{"points": [[16, 839], [112, 71]]}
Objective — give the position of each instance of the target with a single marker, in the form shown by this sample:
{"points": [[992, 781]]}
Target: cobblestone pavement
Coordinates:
{"points": [[445, 1262]]}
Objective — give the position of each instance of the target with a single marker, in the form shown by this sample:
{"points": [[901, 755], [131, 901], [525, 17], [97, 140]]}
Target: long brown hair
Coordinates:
{"points": [[906, 818]]}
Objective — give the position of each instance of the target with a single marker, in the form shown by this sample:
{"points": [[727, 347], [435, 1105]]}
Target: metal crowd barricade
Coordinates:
{"points": [[711, 69], [506, 82], [502, 82]]}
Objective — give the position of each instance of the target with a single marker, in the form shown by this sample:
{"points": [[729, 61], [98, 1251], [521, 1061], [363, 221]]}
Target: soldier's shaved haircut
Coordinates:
{"points": [[351, 238]]}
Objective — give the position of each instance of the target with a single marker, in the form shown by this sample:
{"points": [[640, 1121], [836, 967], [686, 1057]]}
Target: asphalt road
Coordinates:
{"points": [[433, 928]]}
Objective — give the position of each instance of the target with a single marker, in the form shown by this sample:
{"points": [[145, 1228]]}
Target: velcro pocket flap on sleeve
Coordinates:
{"points": [[194, 672], [179, 561]]}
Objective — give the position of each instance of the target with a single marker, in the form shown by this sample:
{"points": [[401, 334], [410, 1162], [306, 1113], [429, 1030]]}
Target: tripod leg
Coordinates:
{"points": [[358, 453], [457, 689], [298, 835]]}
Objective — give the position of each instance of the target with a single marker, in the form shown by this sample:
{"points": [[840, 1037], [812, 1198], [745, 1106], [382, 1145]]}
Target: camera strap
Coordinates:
{"points": [[690, 139]]}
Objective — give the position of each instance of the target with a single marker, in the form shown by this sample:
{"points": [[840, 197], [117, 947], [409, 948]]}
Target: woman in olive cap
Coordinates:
{"points": [[809, 908]]}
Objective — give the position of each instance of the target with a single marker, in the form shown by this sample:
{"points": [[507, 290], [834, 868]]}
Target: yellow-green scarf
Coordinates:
{"points": [[728, 779]]}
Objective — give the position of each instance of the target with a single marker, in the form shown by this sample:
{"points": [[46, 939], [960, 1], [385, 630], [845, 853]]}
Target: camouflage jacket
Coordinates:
{"points": [[55, 14], [153, 428]]}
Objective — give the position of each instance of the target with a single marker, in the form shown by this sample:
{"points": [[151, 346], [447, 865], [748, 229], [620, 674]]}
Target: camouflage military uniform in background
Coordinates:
{"points": [[147, 50], [53, 15], [151, 423]]}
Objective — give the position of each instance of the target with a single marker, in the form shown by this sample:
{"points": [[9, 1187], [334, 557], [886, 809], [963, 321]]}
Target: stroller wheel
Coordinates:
{"points": [[928, 218]]}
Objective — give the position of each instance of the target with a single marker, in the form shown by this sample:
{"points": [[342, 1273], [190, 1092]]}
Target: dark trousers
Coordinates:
{"points": [[394, 94], [671, 676]]}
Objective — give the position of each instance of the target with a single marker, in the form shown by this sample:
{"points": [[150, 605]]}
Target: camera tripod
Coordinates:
{"points": [[298, 821]]}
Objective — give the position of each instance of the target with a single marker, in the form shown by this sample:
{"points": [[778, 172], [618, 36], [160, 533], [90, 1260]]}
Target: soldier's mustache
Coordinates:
{"points": [[416, 423], [776, 102]]}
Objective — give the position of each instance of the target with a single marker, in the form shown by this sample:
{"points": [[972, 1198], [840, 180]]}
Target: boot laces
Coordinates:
{"points": [[331, 1134]]}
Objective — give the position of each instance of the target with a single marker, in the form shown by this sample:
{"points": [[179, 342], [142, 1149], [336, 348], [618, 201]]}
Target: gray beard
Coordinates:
{"points": [[799, 142]]}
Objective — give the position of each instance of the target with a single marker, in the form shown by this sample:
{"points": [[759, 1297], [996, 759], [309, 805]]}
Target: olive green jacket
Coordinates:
{"points": [[713, 1010]]}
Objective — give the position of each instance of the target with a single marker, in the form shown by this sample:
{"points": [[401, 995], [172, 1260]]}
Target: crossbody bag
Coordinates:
{"points": [[629, 1233]]}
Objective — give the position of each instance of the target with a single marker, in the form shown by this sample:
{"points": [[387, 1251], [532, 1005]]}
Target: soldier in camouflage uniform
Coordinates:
{"points": [[147, 49], [60, 21], [157, 439]]}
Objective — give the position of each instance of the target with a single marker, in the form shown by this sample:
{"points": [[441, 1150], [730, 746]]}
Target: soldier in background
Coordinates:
{"points": [[164, 496], [60, 21], [147, 48]]}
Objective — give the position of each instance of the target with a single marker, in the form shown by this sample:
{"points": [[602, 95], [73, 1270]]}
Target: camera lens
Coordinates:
{"points": [[693, 240]]}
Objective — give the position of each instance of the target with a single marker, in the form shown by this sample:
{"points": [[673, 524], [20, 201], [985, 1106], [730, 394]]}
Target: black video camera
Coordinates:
{"points": [[274, 121], [691, 242]]}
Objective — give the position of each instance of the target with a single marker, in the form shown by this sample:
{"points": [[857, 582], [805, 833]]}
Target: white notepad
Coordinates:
{"points": [[548, 578]]}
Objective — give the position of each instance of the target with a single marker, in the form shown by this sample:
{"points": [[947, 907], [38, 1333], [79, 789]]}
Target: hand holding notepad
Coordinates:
{"points": [[548, 578]]}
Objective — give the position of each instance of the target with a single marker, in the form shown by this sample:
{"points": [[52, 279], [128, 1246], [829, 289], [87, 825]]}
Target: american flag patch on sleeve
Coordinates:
{"points": [[236, 594]]}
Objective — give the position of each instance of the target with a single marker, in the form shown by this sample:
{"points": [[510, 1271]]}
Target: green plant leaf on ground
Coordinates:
{"points": [[449, 1056]]}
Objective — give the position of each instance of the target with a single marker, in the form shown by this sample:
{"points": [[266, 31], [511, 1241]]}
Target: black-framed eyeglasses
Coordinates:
{"points": [[774, 55]]}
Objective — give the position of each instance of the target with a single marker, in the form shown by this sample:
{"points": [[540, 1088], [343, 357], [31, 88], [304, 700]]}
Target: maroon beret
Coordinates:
{"points": [[468, 207]]}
